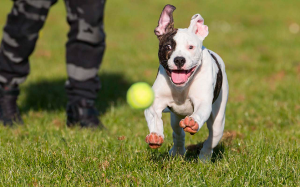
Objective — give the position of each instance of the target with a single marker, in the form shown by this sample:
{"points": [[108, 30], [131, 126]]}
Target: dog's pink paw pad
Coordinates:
{"points": [[154, 140], [189, 125]]}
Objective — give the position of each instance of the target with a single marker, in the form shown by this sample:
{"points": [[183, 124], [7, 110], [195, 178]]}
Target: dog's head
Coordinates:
{"points": [[180, 50]]}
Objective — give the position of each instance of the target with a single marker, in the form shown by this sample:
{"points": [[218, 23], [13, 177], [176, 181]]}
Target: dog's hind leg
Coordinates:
{"points": [[215, 125], [178, 136]]}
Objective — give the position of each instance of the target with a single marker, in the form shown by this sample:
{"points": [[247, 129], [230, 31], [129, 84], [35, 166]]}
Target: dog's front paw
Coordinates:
{"points": [[189, 125], [154, 140]]}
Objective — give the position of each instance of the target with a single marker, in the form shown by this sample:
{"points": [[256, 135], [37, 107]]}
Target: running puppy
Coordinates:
{"points": [[191, 83]]}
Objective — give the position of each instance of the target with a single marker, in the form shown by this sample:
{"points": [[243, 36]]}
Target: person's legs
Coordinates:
{"points": [[85, 49], [20, 34]]}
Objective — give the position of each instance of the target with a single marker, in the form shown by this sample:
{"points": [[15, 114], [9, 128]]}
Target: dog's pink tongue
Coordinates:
{"points": [[179, 77]]}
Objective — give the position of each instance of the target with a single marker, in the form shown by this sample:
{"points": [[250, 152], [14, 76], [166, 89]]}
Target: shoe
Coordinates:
{"points": [[9, 111], [84, 113]]}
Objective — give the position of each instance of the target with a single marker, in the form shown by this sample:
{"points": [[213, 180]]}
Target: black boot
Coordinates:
{"points": [[84, 113], [9, 112]]}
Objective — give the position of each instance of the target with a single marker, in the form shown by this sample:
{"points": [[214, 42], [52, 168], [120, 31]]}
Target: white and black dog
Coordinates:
{"points": [[191, 84]]}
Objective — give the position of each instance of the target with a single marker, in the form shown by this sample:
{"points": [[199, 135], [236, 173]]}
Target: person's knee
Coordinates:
{"points": [[91, 34]]}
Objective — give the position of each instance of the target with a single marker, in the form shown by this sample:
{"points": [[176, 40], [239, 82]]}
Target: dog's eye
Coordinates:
{"points": [[168, 47], [191, 47]]}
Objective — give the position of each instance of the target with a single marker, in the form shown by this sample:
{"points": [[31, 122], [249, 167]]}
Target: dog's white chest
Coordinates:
{"points": [[185, 108]]}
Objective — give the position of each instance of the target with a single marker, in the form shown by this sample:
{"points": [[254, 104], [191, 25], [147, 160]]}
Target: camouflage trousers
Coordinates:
{"points": [[85, 46]]}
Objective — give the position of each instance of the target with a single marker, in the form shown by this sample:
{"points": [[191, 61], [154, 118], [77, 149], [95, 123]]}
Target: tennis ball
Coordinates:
{"points": [[140, 95]]}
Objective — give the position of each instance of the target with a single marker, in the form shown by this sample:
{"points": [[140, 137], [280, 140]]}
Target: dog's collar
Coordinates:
{"points": [[219, 81]]}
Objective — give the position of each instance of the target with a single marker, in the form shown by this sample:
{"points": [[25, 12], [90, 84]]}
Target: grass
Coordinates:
{"points": [[261, 142]]}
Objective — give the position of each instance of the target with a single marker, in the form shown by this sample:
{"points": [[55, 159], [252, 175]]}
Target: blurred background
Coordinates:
{"points": [[259, 42]]}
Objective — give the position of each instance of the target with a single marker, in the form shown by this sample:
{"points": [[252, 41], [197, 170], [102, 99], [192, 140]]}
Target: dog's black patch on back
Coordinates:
{"points": [[219, 81], [164, 53]]}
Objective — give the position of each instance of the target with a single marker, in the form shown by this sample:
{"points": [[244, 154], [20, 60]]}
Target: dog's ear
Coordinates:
{"points": [[165, 22], [197, 26]]}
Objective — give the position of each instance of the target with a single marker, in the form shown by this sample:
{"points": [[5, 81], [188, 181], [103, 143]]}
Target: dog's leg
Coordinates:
{"points": [[215, 125], [178, 136], [202, 110], [216, 128], [155, 124]]}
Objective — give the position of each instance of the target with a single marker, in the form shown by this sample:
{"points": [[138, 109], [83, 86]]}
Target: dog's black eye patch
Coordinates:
{"points": [[167, 45]]}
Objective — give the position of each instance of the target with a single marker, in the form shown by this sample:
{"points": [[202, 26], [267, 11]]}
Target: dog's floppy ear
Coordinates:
{"points": [[197, 26], [166, 22]]}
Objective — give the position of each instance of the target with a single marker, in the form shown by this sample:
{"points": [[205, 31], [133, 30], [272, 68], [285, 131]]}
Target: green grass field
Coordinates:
{"points": [[261, 143]]}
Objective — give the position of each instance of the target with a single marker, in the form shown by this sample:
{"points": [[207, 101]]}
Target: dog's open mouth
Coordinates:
{"points": [[179, 77]]}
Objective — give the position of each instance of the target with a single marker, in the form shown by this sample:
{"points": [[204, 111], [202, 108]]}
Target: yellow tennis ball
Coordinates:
{"points": [[140, 95]]}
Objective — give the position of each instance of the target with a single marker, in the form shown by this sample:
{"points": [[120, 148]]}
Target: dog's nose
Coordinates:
{"points": [[179, 61]]}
